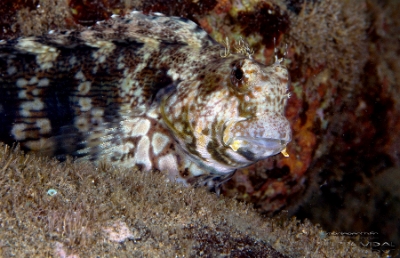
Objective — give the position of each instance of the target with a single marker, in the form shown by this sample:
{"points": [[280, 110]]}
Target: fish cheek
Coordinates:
{"points": [[246, 110]]}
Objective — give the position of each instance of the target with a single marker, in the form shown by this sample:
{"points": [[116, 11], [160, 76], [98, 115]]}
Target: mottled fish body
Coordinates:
{"points": [[150, 91]]}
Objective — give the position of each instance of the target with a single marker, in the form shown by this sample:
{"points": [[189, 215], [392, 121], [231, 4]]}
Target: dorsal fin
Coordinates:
{"points": [[156, 27]]}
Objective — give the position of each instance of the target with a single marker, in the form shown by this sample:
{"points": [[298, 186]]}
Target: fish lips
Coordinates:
{"points": [[259, 137], [258, 148]]}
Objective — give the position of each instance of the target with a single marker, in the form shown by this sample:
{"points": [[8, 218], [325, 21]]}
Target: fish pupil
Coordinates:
{"points": [[238, 73]]}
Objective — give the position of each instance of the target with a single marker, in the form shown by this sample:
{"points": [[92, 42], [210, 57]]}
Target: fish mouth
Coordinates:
{"points": [[257, 148], [258, 138]]}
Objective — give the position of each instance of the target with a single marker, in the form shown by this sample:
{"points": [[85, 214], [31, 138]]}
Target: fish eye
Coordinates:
{"points": [[238, 79], [238, 73]]}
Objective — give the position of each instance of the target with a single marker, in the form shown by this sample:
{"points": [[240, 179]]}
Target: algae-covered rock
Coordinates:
{"points": [[108, 212]]}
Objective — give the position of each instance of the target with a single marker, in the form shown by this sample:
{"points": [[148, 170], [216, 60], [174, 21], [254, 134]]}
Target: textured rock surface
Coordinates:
{"points": [[344, 62], [108, 212]]}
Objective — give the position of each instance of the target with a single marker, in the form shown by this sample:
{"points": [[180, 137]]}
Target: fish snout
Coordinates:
{"points": [[259, 137]]}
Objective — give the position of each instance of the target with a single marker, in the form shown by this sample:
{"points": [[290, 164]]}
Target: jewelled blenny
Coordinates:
{"points": [[155, 92]]}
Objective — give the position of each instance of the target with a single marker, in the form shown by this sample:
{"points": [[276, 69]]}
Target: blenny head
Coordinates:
{"points": [[232, 114]]}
